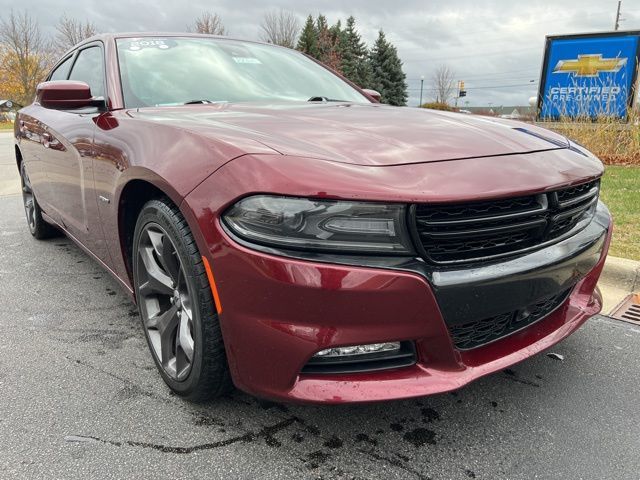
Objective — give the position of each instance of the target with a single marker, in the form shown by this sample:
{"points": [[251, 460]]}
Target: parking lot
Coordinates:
{"points": [[80, 397]]}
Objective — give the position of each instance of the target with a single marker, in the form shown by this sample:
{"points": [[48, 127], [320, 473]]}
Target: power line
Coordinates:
{"points": [[501, 52], [483, 87], [418, 47], [520, 73], [559, 19], [487, 80], [504, 72]]}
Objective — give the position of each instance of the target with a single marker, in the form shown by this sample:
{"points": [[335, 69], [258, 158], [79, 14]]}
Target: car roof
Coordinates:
{"points": [[113, 36]]}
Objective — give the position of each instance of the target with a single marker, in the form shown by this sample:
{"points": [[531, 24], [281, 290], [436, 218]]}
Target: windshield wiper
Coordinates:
{"points": [[194, 102], [325, 99]]}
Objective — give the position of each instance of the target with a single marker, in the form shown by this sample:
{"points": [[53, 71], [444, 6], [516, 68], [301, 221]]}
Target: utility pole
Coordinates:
{"points": [[617, 24], [421, 86]]}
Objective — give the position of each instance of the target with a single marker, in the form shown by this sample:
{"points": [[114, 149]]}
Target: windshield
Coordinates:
{"points": [[160, 71]]}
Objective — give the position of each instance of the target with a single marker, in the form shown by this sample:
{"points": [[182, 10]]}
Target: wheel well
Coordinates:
{"points": [[134, 196], [18, 156]]}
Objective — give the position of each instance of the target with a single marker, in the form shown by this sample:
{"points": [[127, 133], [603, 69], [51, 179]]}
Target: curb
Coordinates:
{"points": [[621, 273]]}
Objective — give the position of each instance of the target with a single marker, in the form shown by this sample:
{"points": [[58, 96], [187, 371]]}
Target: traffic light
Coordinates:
{"points": [[461, 91]]}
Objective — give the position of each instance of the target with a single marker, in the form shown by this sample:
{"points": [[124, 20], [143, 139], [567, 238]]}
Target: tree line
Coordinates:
{"points": [[343, 50], [340, 48], [26, 54]]}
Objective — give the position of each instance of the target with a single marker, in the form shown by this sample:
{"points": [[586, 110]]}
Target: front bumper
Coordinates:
{"points": [[279, 311]]}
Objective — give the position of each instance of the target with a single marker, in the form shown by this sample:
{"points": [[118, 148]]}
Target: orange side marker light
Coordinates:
{"points": [[212, 284]]}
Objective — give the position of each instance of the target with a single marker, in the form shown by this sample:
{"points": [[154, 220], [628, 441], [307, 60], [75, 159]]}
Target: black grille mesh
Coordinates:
{"points": [[569, 193], [474, 231], [477, 333], [479, 209]]}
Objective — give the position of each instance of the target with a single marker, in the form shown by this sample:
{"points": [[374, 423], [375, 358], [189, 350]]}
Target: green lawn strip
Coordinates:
{"points": [[6, 126], [621, 193]]}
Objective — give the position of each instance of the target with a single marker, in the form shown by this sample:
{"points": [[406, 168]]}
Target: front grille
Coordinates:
{"points": [[477, 231], [477, 333]]}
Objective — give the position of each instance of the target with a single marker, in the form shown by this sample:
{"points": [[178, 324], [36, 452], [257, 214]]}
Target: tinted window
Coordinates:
{"points": [[158, 71], [88, 68], [62, 71]]}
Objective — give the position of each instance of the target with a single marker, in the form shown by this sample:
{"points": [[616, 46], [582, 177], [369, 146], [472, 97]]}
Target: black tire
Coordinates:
{"points": [[37, 225], [206, 375]]}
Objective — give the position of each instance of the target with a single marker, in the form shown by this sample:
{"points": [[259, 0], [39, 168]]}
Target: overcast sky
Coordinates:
{"points": [[496, 47]]}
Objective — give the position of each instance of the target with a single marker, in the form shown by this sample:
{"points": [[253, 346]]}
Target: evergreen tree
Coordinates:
{"points": [[308, 42], [321, 24], [328, 43], [337, 34], [324, 38], [354, 54], [387, 75]]}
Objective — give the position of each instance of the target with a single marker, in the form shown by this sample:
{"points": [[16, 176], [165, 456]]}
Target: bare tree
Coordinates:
{"points": [[70, 32], [280, 27], [210, 23], [444, 83], [25, 56]]}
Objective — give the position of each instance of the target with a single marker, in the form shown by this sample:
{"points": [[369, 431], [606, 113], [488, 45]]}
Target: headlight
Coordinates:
{"points": [[321, 225]]}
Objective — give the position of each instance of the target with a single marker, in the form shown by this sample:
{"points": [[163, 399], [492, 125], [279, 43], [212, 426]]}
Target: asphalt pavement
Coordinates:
{"points": [[80, 398]]}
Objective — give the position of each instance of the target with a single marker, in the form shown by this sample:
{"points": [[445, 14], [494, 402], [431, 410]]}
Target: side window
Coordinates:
{"points": [[88, 68], [62, 71]]}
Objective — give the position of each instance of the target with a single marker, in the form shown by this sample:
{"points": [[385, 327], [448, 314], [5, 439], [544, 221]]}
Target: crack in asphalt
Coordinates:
{"points": [[266, 433], [127, 383], [394, 462]]}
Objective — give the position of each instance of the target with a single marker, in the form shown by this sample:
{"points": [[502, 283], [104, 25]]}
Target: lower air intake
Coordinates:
{"points": [[480, 332]]}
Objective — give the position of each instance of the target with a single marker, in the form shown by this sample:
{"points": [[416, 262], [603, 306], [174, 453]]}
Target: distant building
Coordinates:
{"points": [[8, 110], [7, 105]]}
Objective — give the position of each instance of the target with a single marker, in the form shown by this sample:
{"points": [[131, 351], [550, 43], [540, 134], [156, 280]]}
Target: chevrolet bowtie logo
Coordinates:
{"points": [[590, 65]]}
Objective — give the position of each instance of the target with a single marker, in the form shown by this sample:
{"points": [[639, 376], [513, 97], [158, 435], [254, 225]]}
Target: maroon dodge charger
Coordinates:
{"points": [[282, 231]]}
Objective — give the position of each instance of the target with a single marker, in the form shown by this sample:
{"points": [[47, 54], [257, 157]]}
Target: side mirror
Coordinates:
{"points": [[373, 94], [66, 95]]}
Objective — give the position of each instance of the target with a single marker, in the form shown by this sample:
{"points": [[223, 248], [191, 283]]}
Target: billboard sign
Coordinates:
{"points": [[588, 75]]}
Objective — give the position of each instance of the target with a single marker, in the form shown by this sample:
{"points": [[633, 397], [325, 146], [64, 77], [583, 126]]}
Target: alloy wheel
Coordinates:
{"points": [[28, 199], [166, 302]]}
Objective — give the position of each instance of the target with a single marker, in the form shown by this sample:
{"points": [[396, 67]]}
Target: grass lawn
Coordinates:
{"points": [[6, 125], [621, 193]]}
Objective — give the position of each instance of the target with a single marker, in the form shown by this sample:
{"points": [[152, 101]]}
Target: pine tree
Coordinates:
{"points": [[308, 42], [324, 38], [328, 43], [337, 34], [387, 75], [355, 62], [321, 24]]}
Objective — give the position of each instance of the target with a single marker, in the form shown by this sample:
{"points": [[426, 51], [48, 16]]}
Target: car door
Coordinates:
{"points": [[68, 142], [33, 134]]}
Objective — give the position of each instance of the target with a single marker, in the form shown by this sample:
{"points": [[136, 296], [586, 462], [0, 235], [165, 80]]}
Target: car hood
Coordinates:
{"points": [[361, 134]]}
